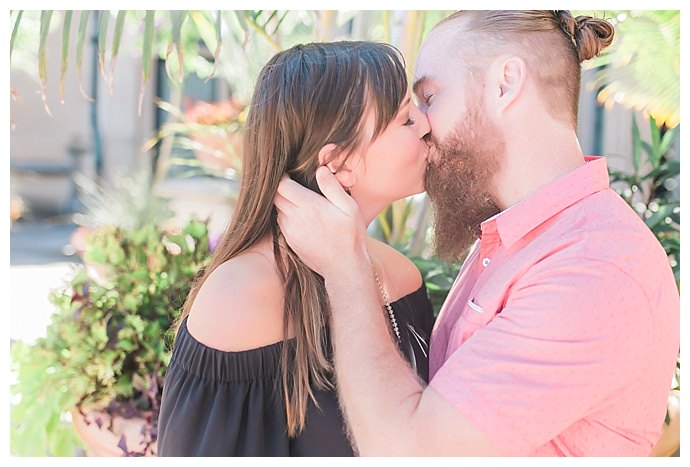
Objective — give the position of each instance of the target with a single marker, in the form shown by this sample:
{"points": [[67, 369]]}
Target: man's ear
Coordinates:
{"points": [[508, 77], [336, 163]]}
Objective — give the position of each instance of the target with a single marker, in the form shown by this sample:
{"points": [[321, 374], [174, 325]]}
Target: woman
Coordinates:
{"points": [[251, 371]]}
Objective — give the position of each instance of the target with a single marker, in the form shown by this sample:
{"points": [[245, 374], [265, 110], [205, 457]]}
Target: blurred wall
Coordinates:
{"points": [[38, 138]]}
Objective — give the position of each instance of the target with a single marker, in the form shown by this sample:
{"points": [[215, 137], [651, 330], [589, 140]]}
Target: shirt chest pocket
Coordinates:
{"points": [[477, 313]]}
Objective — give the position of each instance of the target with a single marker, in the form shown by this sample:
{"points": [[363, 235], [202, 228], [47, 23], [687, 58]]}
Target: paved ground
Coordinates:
{"points": [[38, 263]]}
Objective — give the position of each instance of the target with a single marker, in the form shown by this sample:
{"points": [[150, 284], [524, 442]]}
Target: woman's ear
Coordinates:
{"points": [[327, 155], [336, 163]]}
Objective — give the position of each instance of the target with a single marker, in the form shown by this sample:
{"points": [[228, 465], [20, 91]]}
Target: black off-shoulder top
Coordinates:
{"points": [[218, 403]]}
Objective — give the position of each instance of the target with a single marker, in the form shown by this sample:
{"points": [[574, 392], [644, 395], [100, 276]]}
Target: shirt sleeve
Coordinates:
{"points": [[557, 351], [222, 403]]}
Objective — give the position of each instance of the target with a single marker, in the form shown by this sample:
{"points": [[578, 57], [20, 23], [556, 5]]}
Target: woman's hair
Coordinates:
{"points": [[552, 42], [305, 97]]}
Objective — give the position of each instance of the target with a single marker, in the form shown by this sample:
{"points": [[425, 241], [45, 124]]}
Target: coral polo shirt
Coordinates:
{"points": [[561, 332]]}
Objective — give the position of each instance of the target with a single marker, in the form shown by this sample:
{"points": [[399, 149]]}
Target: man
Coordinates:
{"points": [[560, 334]]}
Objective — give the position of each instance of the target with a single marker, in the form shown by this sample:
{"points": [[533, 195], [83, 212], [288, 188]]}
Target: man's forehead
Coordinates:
{"points": [[439, 57], [433, 54], [428, 66]]}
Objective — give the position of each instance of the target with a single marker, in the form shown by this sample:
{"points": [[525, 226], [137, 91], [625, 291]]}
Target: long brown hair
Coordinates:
{"points": [[305, 97]]}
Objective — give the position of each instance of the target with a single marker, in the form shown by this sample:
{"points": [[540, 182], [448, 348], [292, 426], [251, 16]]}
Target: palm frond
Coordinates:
{"points": [[642, 70]]}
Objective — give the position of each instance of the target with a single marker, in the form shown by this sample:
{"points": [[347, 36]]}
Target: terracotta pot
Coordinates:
{"points": [[669, 442], [102, 435]]}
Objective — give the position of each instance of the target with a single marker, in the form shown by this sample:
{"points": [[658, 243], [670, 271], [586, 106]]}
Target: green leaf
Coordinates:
{"points": [[53, 423], [140, 236], [117, 38], [636, 145], [241, 19], [96, 255], [656, 140], [81, 36], [130, 303], [673, 168], [667, 140], [649, 149], [140, 275], [196, 229], [659, 216], [123, 386], [98, 332], [66, 28], [46, 16], [102, 38], [270, 17], [14, 31], [64, 442], [177, 17], [210, 34], [127, 346], [280, 21], [665, 171], [136, 323], [147, 49]]}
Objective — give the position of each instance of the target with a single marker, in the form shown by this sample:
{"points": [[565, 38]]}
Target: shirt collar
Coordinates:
{"points": [[524, 216]]}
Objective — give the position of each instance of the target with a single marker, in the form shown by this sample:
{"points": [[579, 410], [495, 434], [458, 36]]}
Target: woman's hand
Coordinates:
{"points": [[328, 232]]}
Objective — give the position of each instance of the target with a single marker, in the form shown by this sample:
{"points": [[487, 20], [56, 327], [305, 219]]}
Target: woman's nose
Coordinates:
{"points": [[421, 121]]}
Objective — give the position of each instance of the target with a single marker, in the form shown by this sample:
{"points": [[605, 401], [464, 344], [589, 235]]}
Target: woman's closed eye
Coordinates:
{"points": [[409, 122]]}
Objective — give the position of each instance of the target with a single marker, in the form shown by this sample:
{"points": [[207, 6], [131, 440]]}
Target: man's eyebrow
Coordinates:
{"points": [[420, 82]]}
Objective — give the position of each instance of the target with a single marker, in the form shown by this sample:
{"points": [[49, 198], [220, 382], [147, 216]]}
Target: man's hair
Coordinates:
{"points": [[552, 42]]}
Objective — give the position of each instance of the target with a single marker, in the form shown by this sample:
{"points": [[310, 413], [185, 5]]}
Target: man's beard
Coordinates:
{"points": [[459, 183]]}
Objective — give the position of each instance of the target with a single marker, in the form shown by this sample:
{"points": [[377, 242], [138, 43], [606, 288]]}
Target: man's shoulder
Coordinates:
{"points": [[604, 228], [615, 233]]}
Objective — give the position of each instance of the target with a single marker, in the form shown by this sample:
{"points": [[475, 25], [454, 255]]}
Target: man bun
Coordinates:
{"points": [[589, 35]]}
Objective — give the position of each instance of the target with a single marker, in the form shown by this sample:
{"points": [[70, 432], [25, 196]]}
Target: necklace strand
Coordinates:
{"points": [[388, 306]]}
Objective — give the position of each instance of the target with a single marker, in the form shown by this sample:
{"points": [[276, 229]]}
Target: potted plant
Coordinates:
{"points": [[99, 371]]}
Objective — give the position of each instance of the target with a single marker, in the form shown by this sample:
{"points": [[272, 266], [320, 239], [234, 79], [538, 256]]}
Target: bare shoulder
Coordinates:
{"points": [[400, 275], [239, 306]]}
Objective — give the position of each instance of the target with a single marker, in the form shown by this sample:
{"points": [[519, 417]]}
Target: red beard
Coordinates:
{"points": [[459, 184]]}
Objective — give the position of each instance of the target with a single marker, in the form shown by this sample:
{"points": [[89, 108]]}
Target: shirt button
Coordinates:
{"points": [[485, 262]]}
